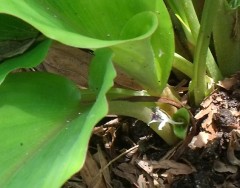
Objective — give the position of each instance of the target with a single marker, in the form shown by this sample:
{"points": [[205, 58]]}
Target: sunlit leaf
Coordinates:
{"points": [[182, 115], [163, 44], [44, 132], [121, 25], [35, 113], [87, 24]]}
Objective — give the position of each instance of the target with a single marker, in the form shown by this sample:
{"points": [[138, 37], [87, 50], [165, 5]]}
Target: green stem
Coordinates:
{"points": [[201, 50], [139, 110], [133, 109], [183, 65], [88, 95], [143, 112], [212, 68], [185, 12], [191, 17], [194, 26]]}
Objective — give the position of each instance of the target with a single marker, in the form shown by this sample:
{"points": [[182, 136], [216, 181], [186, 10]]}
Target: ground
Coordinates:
{"points": [[125, 152]]}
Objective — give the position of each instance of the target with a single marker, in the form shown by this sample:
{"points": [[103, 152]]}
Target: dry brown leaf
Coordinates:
{"points": [[228, 83], [103, 162], [173, 167], [68, 61], [127, 171], [71, 184], [99, 130], [202, 113], [234, 145], [90, 173], [142, 182], [74, 64], [222, 167], [229, 185], [206, 103], [199, 141], [178, 171], [127, 167], [145, 165], [117, 183]]}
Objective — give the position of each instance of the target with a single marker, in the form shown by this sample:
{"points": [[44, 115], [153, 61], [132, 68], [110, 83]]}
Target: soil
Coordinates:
{"points": [[125, 152]]}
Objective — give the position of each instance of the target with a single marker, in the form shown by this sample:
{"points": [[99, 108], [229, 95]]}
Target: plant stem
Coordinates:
{"points": [[185, 12], [201, 50], [191, 17], [143, 112], [183, 65], [133, 109]]}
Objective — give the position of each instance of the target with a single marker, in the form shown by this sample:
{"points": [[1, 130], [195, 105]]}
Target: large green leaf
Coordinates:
{"points": [[15, 36], [12, 28], [87, 24], [126, 26], [163, 44], [34, 114], [44, 132]]}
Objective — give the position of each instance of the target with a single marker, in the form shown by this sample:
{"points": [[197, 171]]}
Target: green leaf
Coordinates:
{"points": [[198, 87], [121, 25], [226, 36], [186, 13], [48, 132], [100, 63], [234, 3], [87, 24], [182, 115], [34, 114], [16, 36], [12, 28], [27, 60], [163, 44]]}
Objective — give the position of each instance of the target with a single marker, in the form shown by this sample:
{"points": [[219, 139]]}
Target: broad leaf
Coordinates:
{"points": [[87, 24], [35, 112], [163, 44], [16, 36], [182, 115], [121, 25], [44, 131], [12, 28]]}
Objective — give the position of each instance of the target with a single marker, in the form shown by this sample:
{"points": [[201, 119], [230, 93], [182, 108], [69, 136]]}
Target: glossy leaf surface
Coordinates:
{"points": [[48, 131], [182, 115], [121, 25]]}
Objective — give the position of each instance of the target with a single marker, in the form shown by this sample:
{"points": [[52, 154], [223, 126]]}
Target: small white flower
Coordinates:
{"points": [[162, 118]]}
